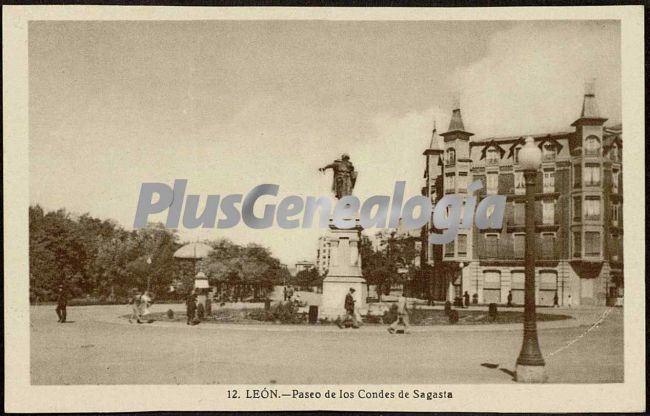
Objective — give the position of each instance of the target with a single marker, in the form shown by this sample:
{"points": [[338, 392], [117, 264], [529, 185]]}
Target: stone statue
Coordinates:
{"points": [[344, 178]]}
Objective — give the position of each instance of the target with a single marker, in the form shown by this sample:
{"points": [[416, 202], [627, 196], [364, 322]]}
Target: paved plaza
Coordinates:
{"points": [[101, 347]]}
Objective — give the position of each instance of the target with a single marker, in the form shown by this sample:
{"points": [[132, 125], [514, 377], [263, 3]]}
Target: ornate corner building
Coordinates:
{"points": [[578, 212]]}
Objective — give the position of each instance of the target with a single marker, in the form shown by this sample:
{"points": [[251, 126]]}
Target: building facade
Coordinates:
{"points": [[323, 255], [304, 265], [578, 211]]}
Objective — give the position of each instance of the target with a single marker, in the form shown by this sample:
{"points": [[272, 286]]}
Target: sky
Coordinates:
{"points": [[229, 105]]}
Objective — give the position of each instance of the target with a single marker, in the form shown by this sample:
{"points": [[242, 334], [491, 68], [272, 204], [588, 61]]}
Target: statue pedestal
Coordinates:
{"points": [[344, 273]]}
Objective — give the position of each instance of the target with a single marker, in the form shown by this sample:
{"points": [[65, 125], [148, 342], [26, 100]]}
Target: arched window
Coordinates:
{"points": [[451, 156], [592, 146]]}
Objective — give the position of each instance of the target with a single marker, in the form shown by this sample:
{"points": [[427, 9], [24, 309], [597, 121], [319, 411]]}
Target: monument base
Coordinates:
{"points": [[335, 288], [344, 273], [530, 374]]}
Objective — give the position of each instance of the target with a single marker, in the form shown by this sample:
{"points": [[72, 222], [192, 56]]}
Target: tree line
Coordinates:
{"points": [[100, 259]]}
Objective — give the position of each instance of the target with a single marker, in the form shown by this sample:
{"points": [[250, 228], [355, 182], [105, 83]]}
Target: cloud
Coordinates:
{"points": [[532, 77]]}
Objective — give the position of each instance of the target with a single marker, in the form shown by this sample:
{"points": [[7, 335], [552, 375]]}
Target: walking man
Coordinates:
{"points": [[349, 310], [466, 296], [556, 303], [402, 315], [61, 303], [510, 298], [136, 303]]}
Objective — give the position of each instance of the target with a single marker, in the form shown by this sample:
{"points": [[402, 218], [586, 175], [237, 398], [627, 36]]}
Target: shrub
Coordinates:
{"points": [[170, 314], [493, 311], [453, 316], [284, 312], [200, 311], [447, 308], [390, 315], [372, 319], [261, 315]]}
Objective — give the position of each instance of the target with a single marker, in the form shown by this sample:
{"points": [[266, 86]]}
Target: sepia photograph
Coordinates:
{"points": [[287, 208]]}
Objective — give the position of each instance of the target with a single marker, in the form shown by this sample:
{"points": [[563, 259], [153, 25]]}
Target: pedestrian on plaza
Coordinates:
{"points": [[61, 303], [569, 301], [349, 310], [556, 303], [402, 315], [510, 298], [284, 290], [136, 306], [466, 296], [190, 305], [145, 303]]}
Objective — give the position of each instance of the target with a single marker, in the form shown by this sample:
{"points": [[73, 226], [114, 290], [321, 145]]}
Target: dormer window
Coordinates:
{"points": [[451, 156], [592, 146], [492, 156], [548, 151]]}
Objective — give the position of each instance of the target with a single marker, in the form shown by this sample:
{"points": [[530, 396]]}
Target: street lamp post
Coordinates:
{"points": [[148, 274], [530, 364]]}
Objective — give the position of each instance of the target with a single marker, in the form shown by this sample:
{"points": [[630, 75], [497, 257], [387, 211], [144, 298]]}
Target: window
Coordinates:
{"points": [[592, 208], [592, 243], [592, 146], [449, 249], [577, 208], [548, 212], [615, 178], [577, 244], [520, 183], [614, 247], [451, 156], [519, 214], [492, 279], [547, 280], [549, 181], [462, 181], [614, 154], [518, 279], [462, 245], [492, 156], [548, 151], [592, 174], [577, 176], [492, 183], [548, 245], [491, 245], [450, 182], [517, 154], [519, 245], [614, 214]]}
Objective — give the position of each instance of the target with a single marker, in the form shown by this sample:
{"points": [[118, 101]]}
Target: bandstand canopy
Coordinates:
{"points": [[193, 251]]}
